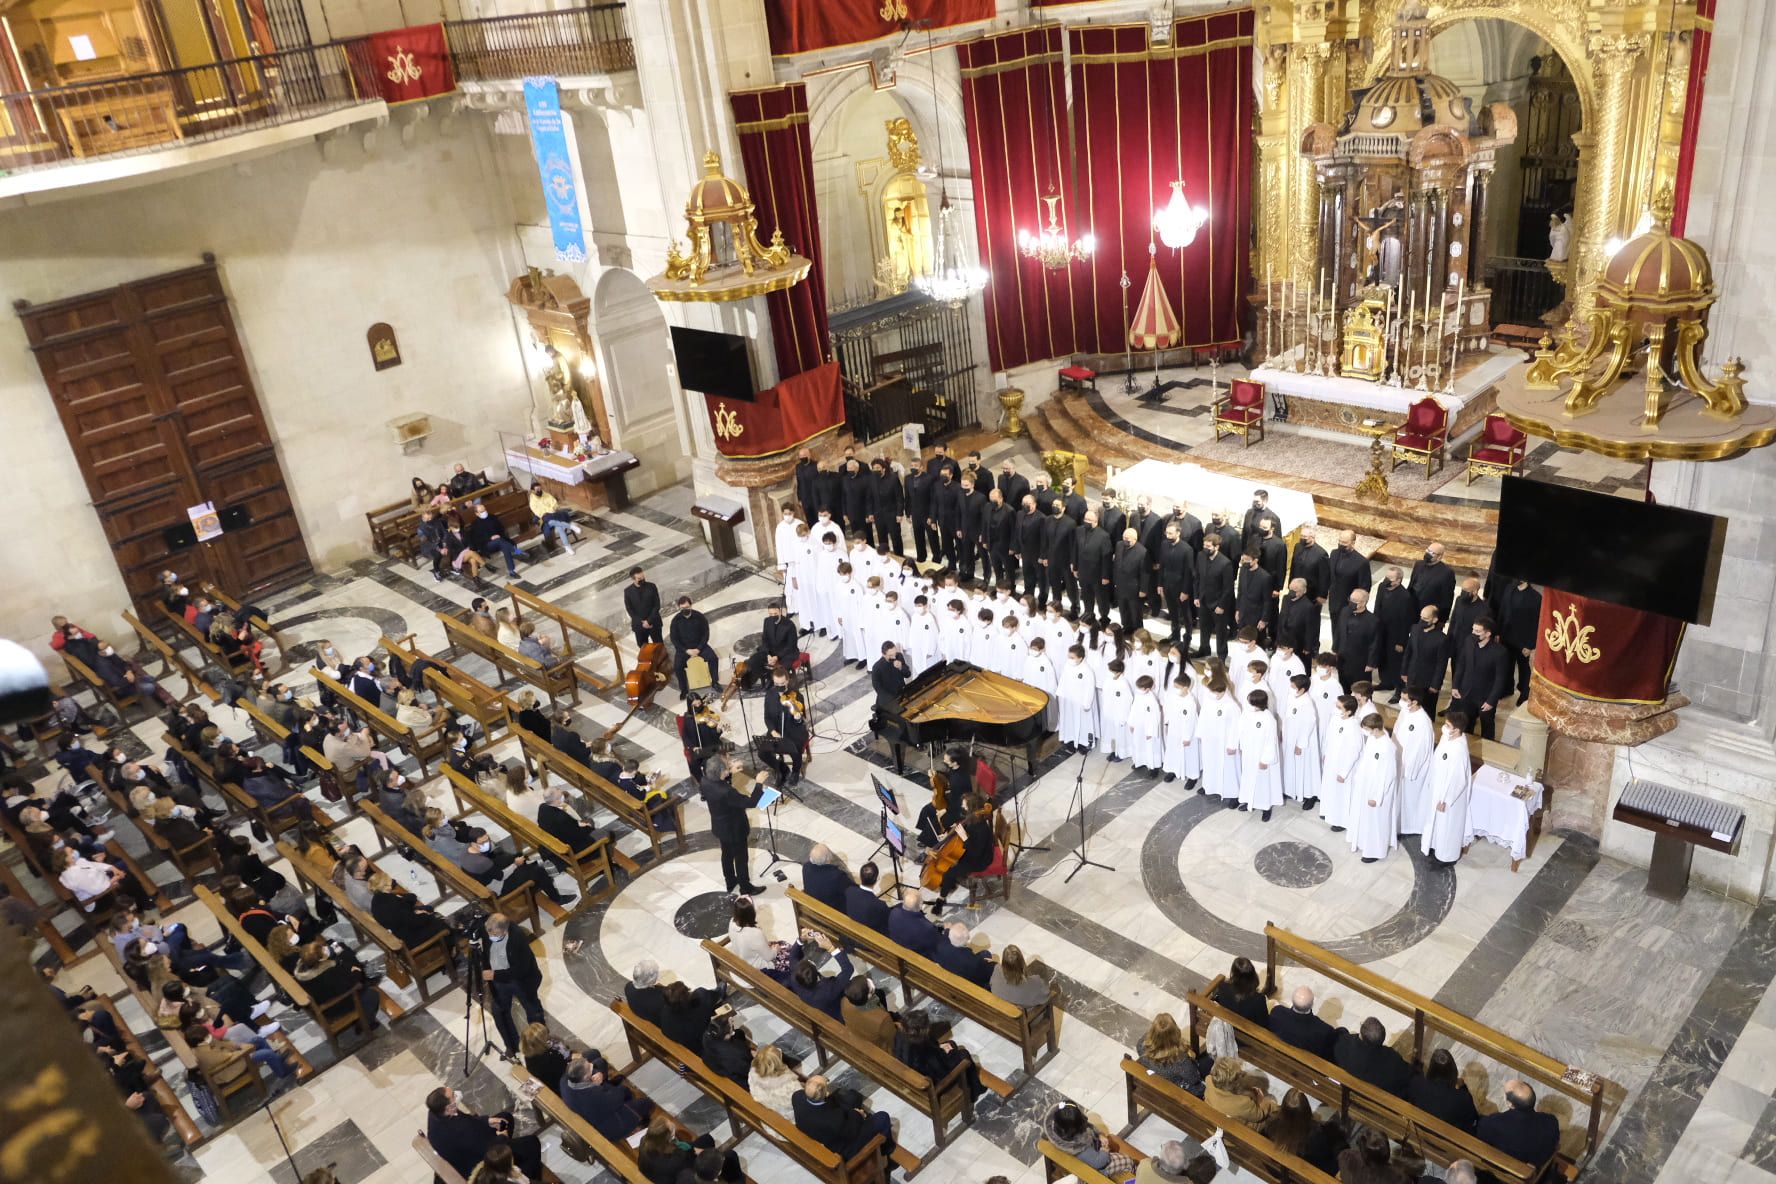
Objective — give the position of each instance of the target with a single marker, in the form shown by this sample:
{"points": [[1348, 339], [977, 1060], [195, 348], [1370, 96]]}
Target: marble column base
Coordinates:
{"points": [[769, 484], [1583, 736]]}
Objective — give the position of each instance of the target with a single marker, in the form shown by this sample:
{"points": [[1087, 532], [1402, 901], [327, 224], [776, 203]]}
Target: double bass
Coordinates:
{"points": [[648, 675]]}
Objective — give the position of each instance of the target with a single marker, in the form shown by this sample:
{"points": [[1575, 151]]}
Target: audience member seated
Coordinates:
{"points": [[665, 1159], [1241, 993], [227, 1061], [865, 1016], [748, 942], [836, 1119], [551, 518], [590, 1090], [1017, 983], [825, 878], [545, 1057], [463, 482], [1293, 1129], [327, 970], [1298, 1025], [462, 1139], [1519, 1129], [401, 913], [955, 956], [488, 536], [684, 1013], [1069, 1128], [822, 992], [531, 717], [926, 1046], [569, 742], [559, 822], [727, 1046], [1440, 1091], [910, 927], [1369, 1160], [861, 902], [497, 1167], [1236, 1093], [89, 879], [1367, 1055], [1173, 1164], [772, 1081], [643, 991], [1164, 1051]]}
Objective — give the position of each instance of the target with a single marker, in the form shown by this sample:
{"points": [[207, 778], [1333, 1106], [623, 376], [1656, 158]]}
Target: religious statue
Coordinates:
{"points": [[562, 403], [1559, 237], [901, 247], [581, 421]]}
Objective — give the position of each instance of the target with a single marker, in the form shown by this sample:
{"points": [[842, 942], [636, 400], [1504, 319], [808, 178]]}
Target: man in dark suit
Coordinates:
{"points": [[889, 676], [824, 878], [1151, 533], [858, 492], [1073, 501], [971, 467], [1128, 576], [1298, 626], [1481, 679], [1214, 595], [641, 600], [946, 515], [1427, 654], [909, 927], [1519, 624], [567, 741], [942, 462], [1298, 1024], [461, 1139], [510, 974], [728, 821], [1111, 520], [1251, 598], [1312, 564], [1027, 531], [1433, 581], [1273, 557], [690, 639], [1520, 1130], [829, 496], [1468, 608], [778, 645], [1356, 639], [645, 995], [1059, 539], [1394, 611], [1367, 1055], [1177, 581], [954, 955], [559, 822], [807, 483], [834, 1118], [1190, 528], [887, 507], [1045, 495], [1250, 529], [861, 902], [918, 506], [998, 539], [1349, 570], [971, 530], [1012, 485]]}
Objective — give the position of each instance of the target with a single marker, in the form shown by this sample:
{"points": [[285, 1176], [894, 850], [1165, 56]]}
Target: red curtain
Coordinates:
{"points": [[411, 64], [1700, 42], [779, 163], [1014, 102], [1142, 117], [798, 26], [1603, 651], [785, 416]]}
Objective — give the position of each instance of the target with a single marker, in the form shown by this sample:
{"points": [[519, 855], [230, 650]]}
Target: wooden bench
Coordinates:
{"points": [[571, 625], [1335, 1086], [1595, 1099], [617, 1158], [655, 822], [585, 867], [235, 663], [1057, 1163], [45, 926], [455, 686], [1150, 1094], [941, 1101], [274, 818], [519, 904], [442, 1172], [1030, 1028], [190, 860], [422, 744], [153, 646], [258, 622], [122, 704], [393, 527], [187, 1130], [553, 681], [320, 1010], [745, 1112], [405, 965]]}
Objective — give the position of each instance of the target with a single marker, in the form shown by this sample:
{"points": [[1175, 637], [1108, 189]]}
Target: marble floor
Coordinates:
{"points": [[1672, 1001]]}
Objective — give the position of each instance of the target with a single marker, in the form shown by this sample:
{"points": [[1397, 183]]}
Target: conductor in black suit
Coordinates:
{"points": [[888, 678], [1128, 576], [641, 600], [1520, 1130], [1481, 679], [690, 639], [727, 818], [1298, 1024], [1214, 595]]}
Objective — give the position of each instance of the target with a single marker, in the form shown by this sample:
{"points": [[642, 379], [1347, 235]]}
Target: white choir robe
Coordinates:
{"points": [[1183, 754], [1375, 830], [789, 549], [976, 603], [982, 640], [952, 638], [1417, 737], [1301, 747], [1115, 697], [1100, 659], [1146, 731], [1450, 789], [1007, 654], [1039, 672], [1078, 693], [825, 567], [1153, 665], [819, 532], [1219, 730], [890, 625], [1239, 656], [851, 604], [1059, 637], [1325, 692], [1260, 760], [921, 644], [1341, 747], [1282, 669]]}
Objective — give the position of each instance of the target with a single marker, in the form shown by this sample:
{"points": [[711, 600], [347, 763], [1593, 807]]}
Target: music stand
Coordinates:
{"points": [[768, 804], [893, 842], [1079, 853]]}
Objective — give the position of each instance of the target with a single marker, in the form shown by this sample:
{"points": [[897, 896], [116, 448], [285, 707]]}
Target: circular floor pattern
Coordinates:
{"points": [[1289, 864], [704, 915]]}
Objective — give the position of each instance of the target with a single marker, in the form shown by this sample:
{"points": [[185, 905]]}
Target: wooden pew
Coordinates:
{"points": [[404, 964], [617, 1158], [260, 623], [941, 1101], [441, 1171], [393, 527], [1250, 1151], [1028, 1028], [275, 818], [518, 904], [187, 1130], [1057, 1163], [45, 926], [190, 860], [1335, 1086], [1594, 1098], [421, 744], [81, 673], [746, 1113], [655, 822], [570, 624], [464, 692], [553, 681], [236, 663], [584, 866], [153, 645]]}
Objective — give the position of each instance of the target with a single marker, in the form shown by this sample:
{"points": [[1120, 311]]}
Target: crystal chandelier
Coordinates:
{"points": [[1179, 221], [953, 277], [1051, 246]]}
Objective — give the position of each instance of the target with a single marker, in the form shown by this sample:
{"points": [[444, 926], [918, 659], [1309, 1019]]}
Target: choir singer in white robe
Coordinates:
{"points": [[1260, 756], [1375, 793], [1416, 735], [1115, 696], [1183, 755], [1146, 727], [1342, 745], [1078, 692], [921, 644], [1040, 673], [1300, 722], [1451, 788], [1217, 728]]}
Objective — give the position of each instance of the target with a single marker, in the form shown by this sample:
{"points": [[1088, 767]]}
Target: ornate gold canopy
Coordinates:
{"points": [[725, 261]]}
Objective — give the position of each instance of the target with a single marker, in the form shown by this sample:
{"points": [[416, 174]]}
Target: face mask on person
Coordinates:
{"points": [[150, 948], [480, 513]]}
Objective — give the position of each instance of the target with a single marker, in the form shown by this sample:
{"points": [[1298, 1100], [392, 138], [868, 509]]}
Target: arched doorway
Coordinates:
{"points": [[646, 407]]}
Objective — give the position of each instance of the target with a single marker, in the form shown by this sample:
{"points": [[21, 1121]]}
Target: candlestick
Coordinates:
{"points": [[1402, 358], [1301, 321], [1320, 324], [1461, 285], [1270, 341]]}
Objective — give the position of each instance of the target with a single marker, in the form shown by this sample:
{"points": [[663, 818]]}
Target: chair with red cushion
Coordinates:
{"points": [[1241, 411], [993, 882], [1422, 438], [986, 780], [1498, 450]]}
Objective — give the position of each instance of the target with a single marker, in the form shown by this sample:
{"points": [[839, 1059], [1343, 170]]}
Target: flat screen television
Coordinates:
{"points": [[1658, 559], [713, 363]]}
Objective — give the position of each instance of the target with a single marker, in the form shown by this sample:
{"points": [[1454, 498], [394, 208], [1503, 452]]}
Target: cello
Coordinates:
{"points": [[947, 854]]}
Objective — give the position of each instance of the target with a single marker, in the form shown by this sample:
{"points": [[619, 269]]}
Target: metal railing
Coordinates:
{"points": [[589, 40], [142, 112], [1522, 290]]}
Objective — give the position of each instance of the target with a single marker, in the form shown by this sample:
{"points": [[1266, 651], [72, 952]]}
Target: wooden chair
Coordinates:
{"points": [[252, 1080], [994, 881], [1498, 450], [1240, 412], [1422, 438]]}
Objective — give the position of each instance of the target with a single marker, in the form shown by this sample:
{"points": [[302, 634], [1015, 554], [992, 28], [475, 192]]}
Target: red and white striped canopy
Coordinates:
{"points": [[1155, 325]]}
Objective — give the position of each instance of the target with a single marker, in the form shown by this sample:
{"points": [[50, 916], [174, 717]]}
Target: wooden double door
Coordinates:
{"points": [[155, 395]]}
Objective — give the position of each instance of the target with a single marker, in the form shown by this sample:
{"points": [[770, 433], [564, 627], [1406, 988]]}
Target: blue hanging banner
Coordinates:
{"points": [[551, 141]]}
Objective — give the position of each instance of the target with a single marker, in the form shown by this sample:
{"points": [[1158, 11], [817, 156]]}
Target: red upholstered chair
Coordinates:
{"points": [[1241, 411], [1497, 451], [986, 781], [1421, 439], [993, 882]]}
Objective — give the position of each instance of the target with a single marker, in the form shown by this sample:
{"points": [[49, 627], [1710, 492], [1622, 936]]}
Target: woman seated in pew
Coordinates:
{"points": [[505, 628], [531, 717], [1370, 1160], [150, 967], [545, 1057], [328, 971], [282, 934], [748, 941], [727, 1046], [1163, 1050], [1241, 993], [1293, 1129], [1237, 1094], [178, 825], [522, 796], [664, 1158], [498, 1167], [400, 912], [685, 1014], [1017, 982], [1069, 1128], [1439, 1090], [772, 1081], [409, 711], [926, 1046]]}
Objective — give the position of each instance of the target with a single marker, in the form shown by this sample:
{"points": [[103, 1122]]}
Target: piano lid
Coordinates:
{"points": [[962, 690]]}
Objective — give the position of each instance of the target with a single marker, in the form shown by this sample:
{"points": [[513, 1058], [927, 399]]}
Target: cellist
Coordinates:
{"points": [[966, 850]]}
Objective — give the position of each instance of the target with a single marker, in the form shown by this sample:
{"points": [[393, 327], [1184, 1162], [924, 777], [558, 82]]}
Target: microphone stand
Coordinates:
{"points": [[1079, 853]]}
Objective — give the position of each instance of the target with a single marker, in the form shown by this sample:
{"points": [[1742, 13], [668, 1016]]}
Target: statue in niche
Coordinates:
{"points": [[562, 404], [1559, 237]]}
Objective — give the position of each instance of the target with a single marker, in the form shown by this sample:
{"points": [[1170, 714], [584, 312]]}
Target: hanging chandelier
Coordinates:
{"points": [[1179, 221], [1050, 245], [953, 278]]}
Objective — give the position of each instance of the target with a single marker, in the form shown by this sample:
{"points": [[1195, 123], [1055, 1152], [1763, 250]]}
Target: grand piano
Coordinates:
{"points": [[958, 702]]}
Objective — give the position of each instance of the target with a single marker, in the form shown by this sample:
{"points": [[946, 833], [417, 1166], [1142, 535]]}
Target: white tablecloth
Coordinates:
{"points": [[563, 468], [1496, 814], [1202, 492]]}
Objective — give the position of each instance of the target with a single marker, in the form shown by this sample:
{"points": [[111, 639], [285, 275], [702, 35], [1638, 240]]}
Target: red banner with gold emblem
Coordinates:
{"points": [[786, 416], [798, 26], [411, 64], [1603, 651]]}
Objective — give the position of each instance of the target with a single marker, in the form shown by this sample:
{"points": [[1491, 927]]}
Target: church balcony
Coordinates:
{"points": [[572, 42], [140, 127]]}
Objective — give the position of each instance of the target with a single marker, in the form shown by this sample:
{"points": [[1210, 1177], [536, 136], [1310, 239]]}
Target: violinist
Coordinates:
{"points": [[786, 724], [700, 727]]}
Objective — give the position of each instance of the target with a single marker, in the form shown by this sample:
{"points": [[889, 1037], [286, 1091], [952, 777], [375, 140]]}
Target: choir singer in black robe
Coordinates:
{"points": [[1427, 653], [1482, 679], [1395, 610], [1092, 566], [1128, 576], [1356, 639], [1251, 597]]}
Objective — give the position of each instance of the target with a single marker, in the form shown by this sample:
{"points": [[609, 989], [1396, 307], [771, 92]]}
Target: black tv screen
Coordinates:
{"points": [[178, 538], [1658, 559], [236, 517], [713, 363]]}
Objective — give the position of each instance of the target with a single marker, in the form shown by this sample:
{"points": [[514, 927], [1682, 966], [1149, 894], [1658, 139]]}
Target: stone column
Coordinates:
{"points": [[1616, 58], [1308, 107]]}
